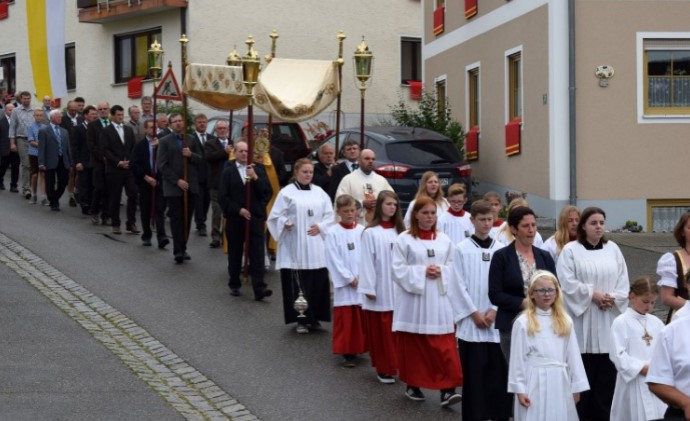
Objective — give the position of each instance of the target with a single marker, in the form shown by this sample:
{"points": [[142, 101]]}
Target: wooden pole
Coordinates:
{"points": [[185, 160]]}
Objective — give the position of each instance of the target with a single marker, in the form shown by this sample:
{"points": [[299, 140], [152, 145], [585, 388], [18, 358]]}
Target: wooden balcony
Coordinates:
{"points": [[104, 11]]}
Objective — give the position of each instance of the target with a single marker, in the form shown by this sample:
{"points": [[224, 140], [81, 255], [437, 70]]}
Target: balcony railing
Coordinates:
{"points": [[103, 11]]}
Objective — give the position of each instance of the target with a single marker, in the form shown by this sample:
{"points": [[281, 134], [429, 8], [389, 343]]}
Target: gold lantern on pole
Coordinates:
{"points": [[363, 60]]}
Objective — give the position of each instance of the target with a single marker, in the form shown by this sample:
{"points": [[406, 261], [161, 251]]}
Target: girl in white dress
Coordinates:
{"points": [[633, 337], [545, 370], [429, 186], [566, 231], [376, 284]]}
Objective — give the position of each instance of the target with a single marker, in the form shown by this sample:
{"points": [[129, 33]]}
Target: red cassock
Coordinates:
{"points": [[429, 361], [378, 328], [348, 330]]}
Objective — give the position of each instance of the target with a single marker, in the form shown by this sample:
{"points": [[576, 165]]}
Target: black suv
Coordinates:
{"points": [[288, 137], [403, 154]]}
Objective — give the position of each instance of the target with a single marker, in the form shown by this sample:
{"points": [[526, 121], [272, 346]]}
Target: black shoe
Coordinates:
{"points": [[450, 397], [2, 186], [85, 211], [55, 208], [214, 244], [179, 258], [235, 292], [415, 394], [263, 294], [146, 243], [349, 361], [187, 256], [163, 242], [27, 194], [202, 231], [72, 202]]}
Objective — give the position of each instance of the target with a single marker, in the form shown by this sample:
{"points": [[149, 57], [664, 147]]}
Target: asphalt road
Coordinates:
{"points": [[52, 368]]}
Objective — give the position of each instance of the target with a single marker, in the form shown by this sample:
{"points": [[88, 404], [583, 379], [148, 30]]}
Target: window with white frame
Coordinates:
{"points": [[514, 85], [666, 66], [473, 97], [440, 85], [131, 54], [410, 59]]}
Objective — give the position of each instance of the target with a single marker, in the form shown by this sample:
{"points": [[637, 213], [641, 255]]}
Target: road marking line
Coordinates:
{"points": [[187, 390]]}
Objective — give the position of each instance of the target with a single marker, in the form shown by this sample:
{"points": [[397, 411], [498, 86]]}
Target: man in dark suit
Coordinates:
{"points": [[203, 200], [171, 156], [148, 179], [217, 152], [8, 158], [117, 141], [54, 158], [162, 129], [99, 199], [323, 170], [81, 156], [351, 152], [70, 120], [232, 198]]}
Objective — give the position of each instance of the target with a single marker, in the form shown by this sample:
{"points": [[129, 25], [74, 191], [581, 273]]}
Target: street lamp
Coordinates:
{"points": [[155, 69], [363, 60], [233, 60]]}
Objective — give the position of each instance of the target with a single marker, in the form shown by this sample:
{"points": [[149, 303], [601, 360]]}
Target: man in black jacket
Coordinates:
{"points": [[82, 158], [239, 214]]}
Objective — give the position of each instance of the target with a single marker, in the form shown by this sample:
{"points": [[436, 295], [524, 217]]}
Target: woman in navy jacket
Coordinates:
{"points": [[510, 271]]}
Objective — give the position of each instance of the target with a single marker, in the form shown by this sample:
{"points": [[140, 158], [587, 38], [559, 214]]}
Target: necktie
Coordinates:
{"points": [[59, 141], [203, 138], [224, 143], [104, 122], [355, 166]]}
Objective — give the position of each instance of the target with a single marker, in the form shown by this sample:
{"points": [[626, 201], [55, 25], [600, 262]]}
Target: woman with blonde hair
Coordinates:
{"points": [[505, 236], [566, 231], [545, 364], [429, 186]]}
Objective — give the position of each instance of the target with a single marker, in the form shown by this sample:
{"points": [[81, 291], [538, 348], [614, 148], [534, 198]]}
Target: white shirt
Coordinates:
{"points": [[375, 273], [243, 171], [670, 362], [667, 270], [582, 271], [422, 305], [629, 352]]}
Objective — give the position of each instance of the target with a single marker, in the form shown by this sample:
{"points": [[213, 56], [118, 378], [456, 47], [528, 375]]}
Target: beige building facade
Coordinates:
{"points": [[108, 40], [509, 62]]}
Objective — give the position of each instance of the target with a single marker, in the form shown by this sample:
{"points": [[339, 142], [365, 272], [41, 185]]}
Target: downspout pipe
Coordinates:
{"points": [[572, 103]]}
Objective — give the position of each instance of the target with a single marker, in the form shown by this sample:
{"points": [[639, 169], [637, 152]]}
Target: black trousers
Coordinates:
{"points": [[235, 231], [176, 214], [485, 373], [203, 202], [10, 161], [56, 181], [99, 198], [595, 404], [85, 186], [116, 181], [152, 203]]}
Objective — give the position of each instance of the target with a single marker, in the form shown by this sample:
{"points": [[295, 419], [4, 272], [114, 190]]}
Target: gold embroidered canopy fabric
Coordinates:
{"points": [[291, 90], [297, 90], [217, 86]]}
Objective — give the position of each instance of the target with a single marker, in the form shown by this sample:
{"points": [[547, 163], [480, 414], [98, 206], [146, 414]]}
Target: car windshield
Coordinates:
{"points": [[425, 152]]}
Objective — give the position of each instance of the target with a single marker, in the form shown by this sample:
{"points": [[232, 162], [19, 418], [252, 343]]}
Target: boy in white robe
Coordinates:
{"points": [[545, 371], [343, 242], [633, 337], [455, 222], [484, 367]]}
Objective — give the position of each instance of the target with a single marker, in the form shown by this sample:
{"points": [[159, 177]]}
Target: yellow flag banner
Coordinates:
{"points": [[45, 23]]}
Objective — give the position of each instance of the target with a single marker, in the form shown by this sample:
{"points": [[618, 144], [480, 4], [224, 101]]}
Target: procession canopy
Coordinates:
{"points": [[217, 86], [297, 90]]}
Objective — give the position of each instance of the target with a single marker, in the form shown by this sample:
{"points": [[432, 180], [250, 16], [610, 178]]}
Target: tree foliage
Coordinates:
{"points": [[426, 114]]}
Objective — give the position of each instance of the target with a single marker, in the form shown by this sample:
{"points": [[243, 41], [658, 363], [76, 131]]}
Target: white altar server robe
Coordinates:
{"points": [[375, 269], [422, 305], [342, 257], [632, 400], [458, 228], [296, 249], [440, 211], [580, 272]]}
